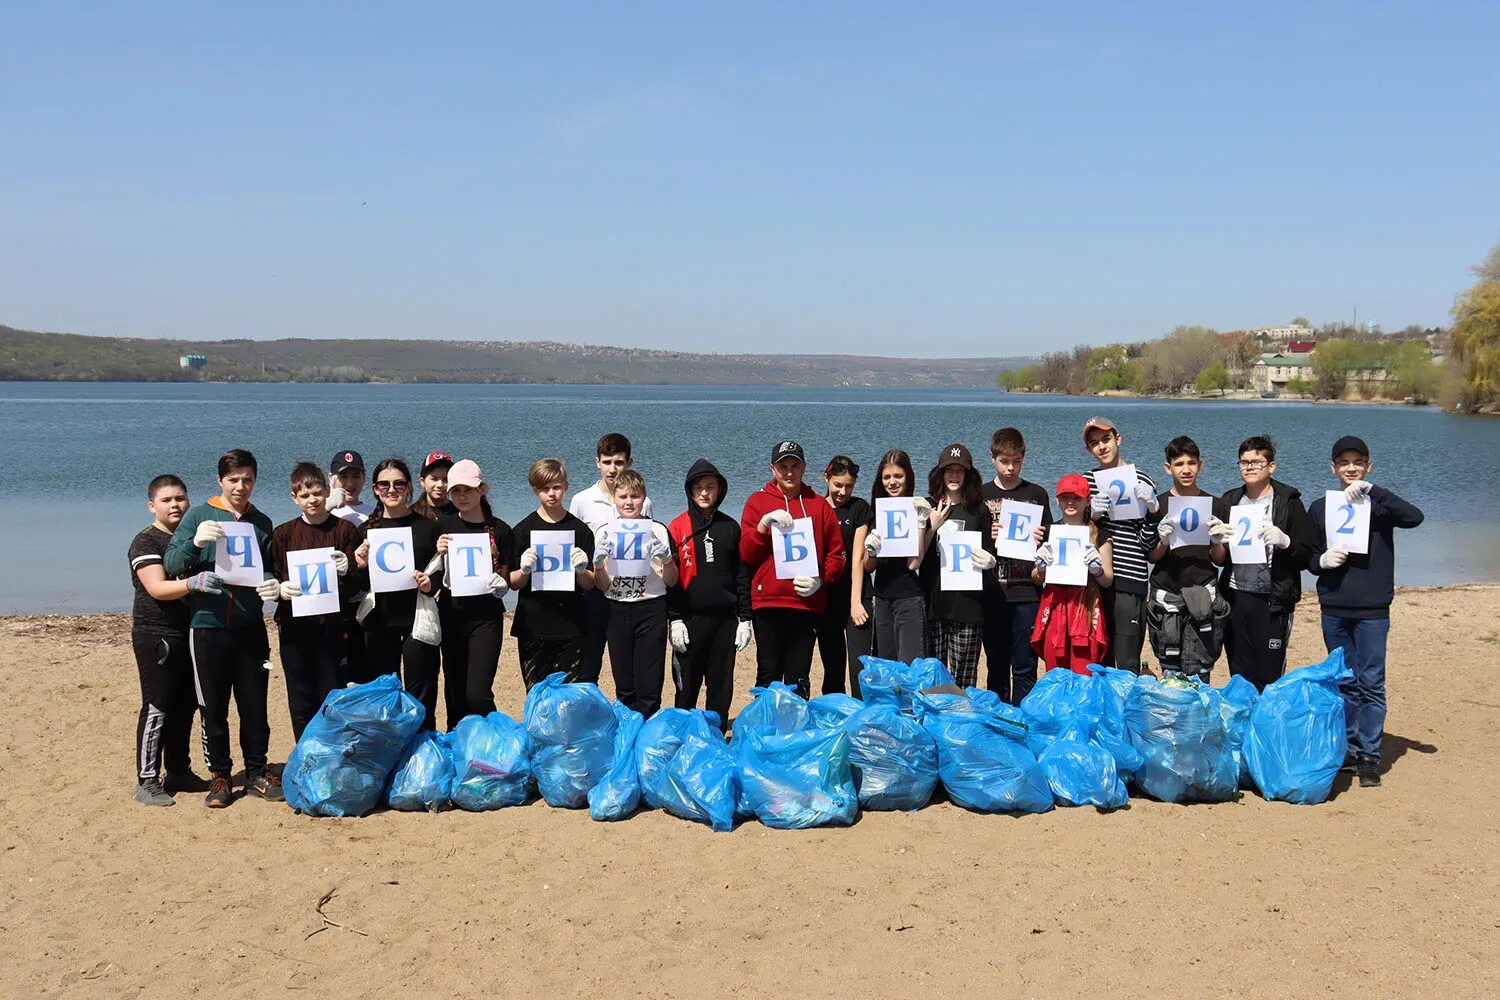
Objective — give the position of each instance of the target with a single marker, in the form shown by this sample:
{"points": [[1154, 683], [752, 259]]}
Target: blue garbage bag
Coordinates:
{"points": [[1297, 738], [699, 781], [618, 794], [794, 781], [1083, 774], [423, 778], [1237, 702], [1081, 709], [774, 709], [983, 761], [894, 760], [657, 743], [1117, 680], [828, 711], [491, 763], [891, 682], [347, 752], [1179, 729], [571, 731]]}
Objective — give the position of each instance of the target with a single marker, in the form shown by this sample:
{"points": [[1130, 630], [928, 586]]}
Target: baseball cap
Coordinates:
{"points": [[1073, 485], [435, 458], [1350, 443], [787, 449], [465, 473], [346, 460], [1102, 423], [955, 454]]}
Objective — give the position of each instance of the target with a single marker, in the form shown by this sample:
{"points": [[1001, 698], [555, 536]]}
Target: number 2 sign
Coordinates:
{"points": [[1245, 545], [1119, 485], [1346, 524]]}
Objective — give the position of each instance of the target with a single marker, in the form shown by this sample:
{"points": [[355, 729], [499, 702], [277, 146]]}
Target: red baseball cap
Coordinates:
{"points": [[435, 458], [1073, 485]]}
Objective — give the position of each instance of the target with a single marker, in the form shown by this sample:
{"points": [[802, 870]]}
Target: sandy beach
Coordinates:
{"points": [[1379, 892]]}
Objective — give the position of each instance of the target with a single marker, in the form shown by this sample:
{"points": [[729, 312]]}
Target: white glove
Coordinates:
{"points": [[872, 545], [1333, 559], [269, 589], [340, 562], [982, 559], [1147, 498], [661, 552], [1356, 491], [677, 634], [602, 552], [1044, 555], [742, 635], [1165, 530], [290, 590], [208, 532], [528, 561], [1218, 531], [806, 586], [205, 583], [336, 498], [579, 560], [1099, 505], [780, 518], [924, 511], [498, 585], [1093, 560], [1274, 536]]}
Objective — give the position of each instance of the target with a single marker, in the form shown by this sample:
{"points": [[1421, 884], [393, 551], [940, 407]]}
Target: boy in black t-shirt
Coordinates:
{"points": [[1184, 610], [549, 625], [1010, 596], [158, 634]]}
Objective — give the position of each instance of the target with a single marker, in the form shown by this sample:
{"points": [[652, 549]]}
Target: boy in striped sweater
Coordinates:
{"points": [[1125, 602]]}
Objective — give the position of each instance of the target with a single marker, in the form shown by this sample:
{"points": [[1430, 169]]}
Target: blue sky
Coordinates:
{"points": [[934, 180]]}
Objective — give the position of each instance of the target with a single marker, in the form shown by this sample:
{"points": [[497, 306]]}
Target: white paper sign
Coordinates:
{"points": [[470, 564], [1245, 546], [314, 571], [390, 560], [630, 539], [795, 550], [1190, 515], [896, 524], [1068, 544], [1015, 529], [1346, 525], [1119, 485], [554, 560], [237, 556], [956, 570]]}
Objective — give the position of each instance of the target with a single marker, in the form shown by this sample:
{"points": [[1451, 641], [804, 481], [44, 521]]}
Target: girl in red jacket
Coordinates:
{"points": [[786, 612], [1069, 631]]}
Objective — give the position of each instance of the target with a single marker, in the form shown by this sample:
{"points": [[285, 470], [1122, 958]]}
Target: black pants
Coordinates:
{"points": [[312, 657], [355, 668], [596, 612], [471, 655], [1008, 657], [1125, 624], [638, 652], [231, 662], [841, 642], [393, 651], [784, 640], [165, 723], [1256, 638], [542, 657], [709, 657]]}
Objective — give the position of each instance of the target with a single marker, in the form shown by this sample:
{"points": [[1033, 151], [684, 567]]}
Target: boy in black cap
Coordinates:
{"points": [[348, 471], [1355, 592]]}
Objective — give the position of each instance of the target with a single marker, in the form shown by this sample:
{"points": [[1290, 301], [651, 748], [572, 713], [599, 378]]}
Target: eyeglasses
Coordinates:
{"points": [[839, 468], [1253, 465], [394, 486]]}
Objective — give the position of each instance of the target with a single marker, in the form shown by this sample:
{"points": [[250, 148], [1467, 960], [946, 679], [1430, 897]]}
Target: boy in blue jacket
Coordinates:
{"points": [[1355, 592]]}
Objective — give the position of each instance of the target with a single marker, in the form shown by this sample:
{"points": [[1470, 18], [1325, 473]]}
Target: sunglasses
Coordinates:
{"points": [[392, 486], [839, 468]]}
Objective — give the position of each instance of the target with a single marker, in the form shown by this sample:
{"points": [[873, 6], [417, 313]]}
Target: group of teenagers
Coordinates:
{"points": [[711, 587]]}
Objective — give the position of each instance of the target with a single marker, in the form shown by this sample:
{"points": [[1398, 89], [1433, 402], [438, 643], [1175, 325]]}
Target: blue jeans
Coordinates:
{"points": [[1363, 641]]}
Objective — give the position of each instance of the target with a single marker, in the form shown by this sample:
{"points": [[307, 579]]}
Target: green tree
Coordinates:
{"points": [[1298, 387], [1302, 321], [1214, 378], [1331, 362], [1476, 336]]}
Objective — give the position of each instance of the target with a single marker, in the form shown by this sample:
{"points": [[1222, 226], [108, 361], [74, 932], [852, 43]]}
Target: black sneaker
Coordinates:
{"points": [[150, 793], [267, 786], [220, 794], [187, 781], [1349, 765], [1369, 772]]}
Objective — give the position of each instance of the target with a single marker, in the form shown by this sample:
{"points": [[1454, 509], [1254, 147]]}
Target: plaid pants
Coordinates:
{"points": [[957, 645]]}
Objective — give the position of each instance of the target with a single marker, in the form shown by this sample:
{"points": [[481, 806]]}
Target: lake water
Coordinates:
{"points": [[75, 457]]}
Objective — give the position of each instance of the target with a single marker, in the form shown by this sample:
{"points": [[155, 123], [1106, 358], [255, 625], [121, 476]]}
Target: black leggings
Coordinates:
{"points": [[1008, 655], [541, 657], [167, 702], [638, 652], [388, 650], [231, 662], [784, 640], [471, 655], [312, 657], [709, 657], [841, 642]]}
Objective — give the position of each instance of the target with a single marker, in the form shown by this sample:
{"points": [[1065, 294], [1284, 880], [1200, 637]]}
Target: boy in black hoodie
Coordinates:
{"points": [[1263, 596], [708, 609], [1355, 592]]}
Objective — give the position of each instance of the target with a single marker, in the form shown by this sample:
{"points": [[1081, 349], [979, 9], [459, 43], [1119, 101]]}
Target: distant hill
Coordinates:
{"points": [[29, 356]]}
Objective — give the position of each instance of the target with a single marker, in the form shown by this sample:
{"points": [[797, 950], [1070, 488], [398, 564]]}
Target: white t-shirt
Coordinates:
{"points": [[635, 588], [596, 508], [355, 514]]}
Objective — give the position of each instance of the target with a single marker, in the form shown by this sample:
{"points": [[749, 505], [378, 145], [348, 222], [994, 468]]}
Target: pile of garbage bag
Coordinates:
{"points": [[347, 752]]}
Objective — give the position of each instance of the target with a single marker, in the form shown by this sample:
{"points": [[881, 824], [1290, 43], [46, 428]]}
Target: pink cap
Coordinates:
{"points": [[465, 473]]}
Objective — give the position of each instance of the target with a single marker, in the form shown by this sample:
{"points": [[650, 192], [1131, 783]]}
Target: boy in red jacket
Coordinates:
{"points": [[786, 612]]}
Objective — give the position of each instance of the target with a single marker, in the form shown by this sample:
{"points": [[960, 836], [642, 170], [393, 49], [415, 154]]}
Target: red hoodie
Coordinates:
{"points": [[755, 547]]}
